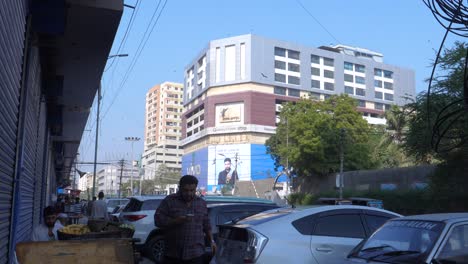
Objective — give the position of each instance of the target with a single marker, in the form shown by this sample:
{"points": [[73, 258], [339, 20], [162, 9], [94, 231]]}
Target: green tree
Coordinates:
{"points": [[441, 111], [165, 176], [308, 137]]}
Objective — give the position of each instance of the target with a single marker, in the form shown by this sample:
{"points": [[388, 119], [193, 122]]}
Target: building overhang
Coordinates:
{"points": [[74, 38]]}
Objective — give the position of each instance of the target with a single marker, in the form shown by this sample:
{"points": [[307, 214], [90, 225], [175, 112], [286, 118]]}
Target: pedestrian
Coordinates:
{"points": [[99, 208], [47, 231], [184, 219]]}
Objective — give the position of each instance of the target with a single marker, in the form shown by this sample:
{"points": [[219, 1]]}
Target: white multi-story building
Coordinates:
{"points": [[163, 128], [108, 179]]}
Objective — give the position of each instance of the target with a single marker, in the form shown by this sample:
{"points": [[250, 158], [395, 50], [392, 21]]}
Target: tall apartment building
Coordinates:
{"points": [[163, 128], [235, 87]]}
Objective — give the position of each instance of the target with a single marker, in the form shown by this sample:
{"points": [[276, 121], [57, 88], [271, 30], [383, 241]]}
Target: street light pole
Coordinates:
{"points": [[96, 141], [132, 140]]}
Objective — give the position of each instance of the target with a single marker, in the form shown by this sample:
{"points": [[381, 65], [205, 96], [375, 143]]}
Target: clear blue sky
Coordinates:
{"points": [[404, 31]]}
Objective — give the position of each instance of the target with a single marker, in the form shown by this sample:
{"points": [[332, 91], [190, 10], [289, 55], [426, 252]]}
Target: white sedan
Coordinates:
{"points": [[321, 234]]}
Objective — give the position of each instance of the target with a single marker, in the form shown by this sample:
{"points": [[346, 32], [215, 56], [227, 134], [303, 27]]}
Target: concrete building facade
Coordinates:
{"points": [[234, 89], [163, 128], [108, 179]]}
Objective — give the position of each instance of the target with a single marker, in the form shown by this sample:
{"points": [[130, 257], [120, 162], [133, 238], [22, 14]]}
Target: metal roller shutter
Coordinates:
{"points": [[27, 183], [40, 176], [12, 28]]}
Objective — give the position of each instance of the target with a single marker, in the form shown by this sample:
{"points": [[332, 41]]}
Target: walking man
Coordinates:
{"points": [[184, 218], [99, 208]]}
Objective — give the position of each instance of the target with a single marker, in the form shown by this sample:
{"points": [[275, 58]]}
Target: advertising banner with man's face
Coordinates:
{"points": [[228, 164]]}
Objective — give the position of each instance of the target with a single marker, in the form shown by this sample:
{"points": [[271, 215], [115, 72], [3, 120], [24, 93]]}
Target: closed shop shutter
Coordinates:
{"points": [[12, 27], [40, 176]]}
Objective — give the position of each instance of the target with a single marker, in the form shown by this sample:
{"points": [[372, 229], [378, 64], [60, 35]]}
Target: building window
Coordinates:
{"points": [[315, 96], [315, 71], [327, 96], [328, 62], [361, 103], [378, 95], [348, 78], [280, 65], [294, 92], [389, 97], [360, 80], [328, 74], [349, 90], [378, 72], [293, 67], [378, 106], [315, 84], [280, 90], [360, 92], [329, 86], [292, 54], [315, 59], [388, 85], [280, 52], [280, 77], [294, 80], [360, 68], [388, 74], [378, 83], [348, 66]]}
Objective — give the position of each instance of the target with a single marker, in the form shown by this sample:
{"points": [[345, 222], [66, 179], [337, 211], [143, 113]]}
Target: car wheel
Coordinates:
{"points": [[155, 249]]}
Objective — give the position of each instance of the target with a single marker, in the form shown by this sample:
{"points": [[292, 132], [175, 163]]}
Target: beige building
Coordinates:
{"points": [[163, 128]]}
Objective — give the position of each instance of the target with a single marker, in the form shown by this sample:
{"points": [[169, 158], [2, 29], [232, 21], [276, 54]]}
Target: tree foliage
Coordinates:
{"points": [[308, 137], [439, 111]]}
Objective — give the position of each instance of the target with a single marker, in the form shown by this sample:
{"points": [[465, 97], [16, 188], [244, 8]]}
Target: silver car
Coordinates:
{"points": [[321, 234], [435, 238]]}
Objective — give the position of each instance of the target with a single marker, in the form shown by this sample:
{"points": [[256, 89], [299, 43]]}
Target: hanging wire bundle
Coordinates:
{"points": [[448, 129]]}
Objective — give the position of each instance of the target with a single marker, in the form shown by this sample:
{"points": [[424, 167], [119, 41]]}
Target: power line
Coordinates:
{"points": [[318, 22], [139, 51]]}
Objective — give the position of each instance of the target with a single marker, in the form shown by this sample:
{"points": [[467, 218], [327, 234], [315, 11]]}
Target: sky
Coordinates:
{"points": [[404, 31]]}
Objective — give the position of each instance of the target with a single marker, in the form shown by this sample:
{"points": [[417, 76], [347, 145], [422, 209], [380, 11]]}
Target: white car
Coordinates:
{"points": [[321, 234], [114, 202], [432, 238]]}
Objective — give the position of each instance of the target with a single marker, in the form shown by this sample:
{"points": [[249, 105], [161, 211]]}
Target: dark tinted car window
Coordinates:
{"points": [[305, 225], [151, 204], [375, 221], [346, 225], [133, 206]]}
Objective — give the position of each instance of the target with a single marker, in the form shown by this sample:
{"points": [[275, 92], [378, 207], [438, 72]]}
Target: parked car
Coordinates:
{"points": [[113, 202], [436, 238], [140, 213], [318, 234]]}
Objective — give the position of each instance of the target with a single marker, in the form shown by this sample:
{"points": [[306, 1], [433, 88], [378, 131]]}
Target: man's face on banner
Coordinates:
{"points": [[227, 165]]}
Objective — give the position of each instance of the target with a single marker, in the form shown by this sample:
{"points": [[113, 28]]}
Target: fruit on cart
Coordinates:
{"points": [[128, 226], [75, 229]]}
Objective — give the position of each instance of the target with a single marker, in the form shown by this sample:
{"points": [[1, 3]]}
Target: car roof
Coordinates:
{"points": [[444, 217], [149, 197], [229, 199], [212, 205]]}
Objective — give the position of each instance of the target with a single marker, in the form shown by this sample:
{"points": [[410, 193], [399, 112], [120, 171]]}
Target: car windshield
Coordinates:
{"points": [[114, 203], [400, 241]]}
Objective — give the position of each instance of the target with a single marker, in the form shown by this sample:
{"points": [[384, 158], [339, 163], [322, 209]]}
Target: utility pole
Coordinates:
{"points": [[96, 141], [342, 137], [132, 140], [121, 162]]}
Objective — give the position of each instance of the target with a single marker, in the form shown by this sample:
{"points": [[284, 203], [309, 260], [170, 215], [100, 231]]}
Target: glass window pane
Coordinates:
{"points": [[280, 65], [388, 85], [294, 92], [388, 74], [333, 226], [360, 92], [280, 90], [360, 80], [315, 71], [315, 84], [280, 77], [294, 80], [328, 62], [293, 67], [389, 97], [378, 106], [280, 52], [315, 59], [315, 96], [361, 103], [378, 83], [293, 54], [328, 74], [378, 95], [349, 90], [455, 249], [378, 72], [348, 66], [375, 221], [360, 68], [329, 86], [348, 78]]}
